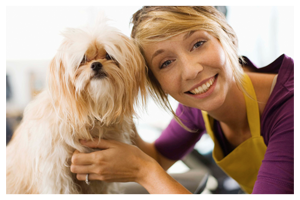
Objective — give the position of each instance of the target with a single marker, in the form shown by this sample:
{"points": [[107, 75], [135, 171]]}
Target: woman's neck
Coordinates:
{"points": [[233, 112]]}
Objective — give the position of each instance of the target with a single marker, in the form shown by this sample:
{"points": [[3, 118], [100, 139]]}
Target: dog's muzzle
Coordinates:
{"points": [[98, 71], [96, 66]]}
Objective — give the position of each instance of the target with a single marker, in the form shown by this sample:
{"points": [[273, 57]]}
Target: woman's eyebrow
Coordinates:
{"points": [[186, 36], [189, 34], [156, 53]]}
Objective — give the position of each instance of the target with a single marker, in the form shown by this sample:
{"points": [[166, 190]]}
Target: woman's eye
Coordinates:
{"points": [[165, 64], [83, 60], [198, 44]]}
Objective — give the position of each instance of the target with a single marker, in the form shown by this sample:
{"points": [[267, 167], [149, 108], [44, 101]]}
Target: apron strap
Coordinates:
{"points": [[252, 107], [243, 163]]}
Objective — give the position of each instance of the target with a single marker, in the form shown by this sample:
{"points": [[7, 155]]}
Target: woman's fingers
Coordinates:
{"points": [[86, 158], [82, 169], [106, 178], [90, 158], [115, 161], [96, 144], [82, 177]]}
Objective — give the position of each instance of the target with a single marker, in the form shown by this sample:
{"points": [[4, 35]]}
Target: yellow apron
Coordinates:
{"points": [[243, 163]]}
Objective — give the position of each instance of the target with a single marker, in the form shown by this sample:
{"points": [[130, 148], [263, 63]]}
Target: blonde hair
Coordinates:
{"points": [[159, 23]]}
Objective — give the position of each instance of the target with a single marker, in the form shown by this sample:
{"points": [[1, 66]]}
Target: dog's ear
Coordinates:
{"points": [[62, 92], [55, 79], [137, 62], [57, 85]]}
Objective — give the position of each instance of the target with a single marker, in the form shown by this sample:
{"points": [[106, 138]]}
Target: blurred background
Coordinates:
{"points": [[33, 36]]}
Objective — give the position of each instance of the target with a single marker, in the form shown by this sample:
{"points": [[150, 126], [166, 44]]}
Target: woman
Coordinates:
{"points": [[191, 53]]}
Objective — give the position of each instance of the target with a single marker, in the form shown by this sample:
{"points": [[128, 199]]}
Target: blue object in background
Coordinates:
{"points": [[8, 89]]}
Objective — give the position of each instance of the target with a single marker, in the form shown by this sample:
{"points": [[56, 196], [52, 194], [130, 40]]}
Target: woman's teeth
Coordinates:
{"points": [[203, 88]]}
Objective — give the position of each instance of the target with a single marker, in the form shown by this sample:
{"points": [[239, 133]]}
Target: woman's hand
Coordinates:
{"points": [[114, 162], [119, 162]]}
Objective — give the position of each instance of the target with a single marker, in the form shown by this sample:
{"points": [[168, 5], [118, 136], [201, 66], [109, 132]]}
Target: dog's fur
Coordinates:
{"points": [[78, 103]]}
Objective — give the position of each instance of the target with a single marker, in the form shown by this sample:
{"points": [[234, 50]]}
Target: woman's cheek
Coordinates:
{"points": [[169, 83]]}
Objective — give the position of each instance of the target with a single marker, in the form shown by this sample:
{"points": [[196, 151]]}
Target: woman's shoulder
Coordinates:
{"points": [[286, 74], [283, 66], [282, 63], [278, 115], [284, 87], [280, 71]]}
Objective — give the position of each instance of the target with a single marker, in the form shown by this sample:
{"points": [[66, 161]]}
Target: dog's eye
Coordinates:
{"points": [[83, 60], [108, 57]]}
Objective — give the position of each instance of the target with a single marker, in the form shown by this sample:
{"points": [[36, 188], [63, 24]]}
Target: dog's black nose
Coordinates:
{"points": [[96, 66]]}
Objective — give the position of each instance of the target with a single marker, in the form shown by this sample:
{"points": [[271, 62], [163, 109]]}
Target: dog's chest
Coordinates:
{"points": [[118, 133]]}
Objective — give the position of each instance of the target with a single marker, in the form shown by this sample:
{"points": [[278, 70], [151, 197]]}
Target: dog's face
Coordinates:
{"points": [[96, 74], [99, 74]]}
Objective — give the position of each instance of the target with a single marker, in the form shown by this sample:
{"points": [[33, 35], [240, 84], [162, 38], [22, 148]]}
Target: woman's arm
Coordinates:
{"points": [[276, 174], [129, 164], [149, 149], [159, 182]]}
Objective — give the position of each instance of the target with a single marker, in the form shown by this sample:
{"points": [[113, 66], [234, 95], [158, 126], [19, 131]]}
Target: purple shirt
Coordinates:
{"points": [[276, 174]]}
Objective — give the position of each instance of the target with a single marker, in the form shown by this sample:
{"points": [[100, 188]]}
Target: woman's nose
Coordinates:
{"points": [[191, 68]]}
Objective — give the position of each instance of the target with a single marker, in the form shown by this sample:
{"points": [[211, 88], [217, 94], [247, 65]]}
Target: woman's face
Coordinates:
{"points": [[192, 68]]}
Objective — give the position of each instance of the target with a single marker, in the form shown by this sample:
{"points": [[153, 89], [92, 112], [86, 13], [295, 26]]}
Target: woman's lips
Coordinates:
{"points": [[204, 88]]}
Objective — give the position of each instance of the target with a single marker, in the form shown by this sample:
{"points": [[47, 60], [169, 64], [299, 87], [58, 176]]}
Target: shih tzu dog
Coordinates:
{"points": [[95, 81]]}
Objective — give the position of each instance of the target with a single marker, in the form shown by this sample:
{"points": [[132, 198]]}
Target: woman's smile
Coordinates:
{"points": [[204, 88]]}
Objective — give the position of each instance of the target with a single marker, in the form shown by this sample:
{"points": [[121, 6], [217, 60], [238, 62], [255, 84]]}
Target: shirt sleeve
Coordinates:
{"points": [[276, 174], [175, 142]]}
